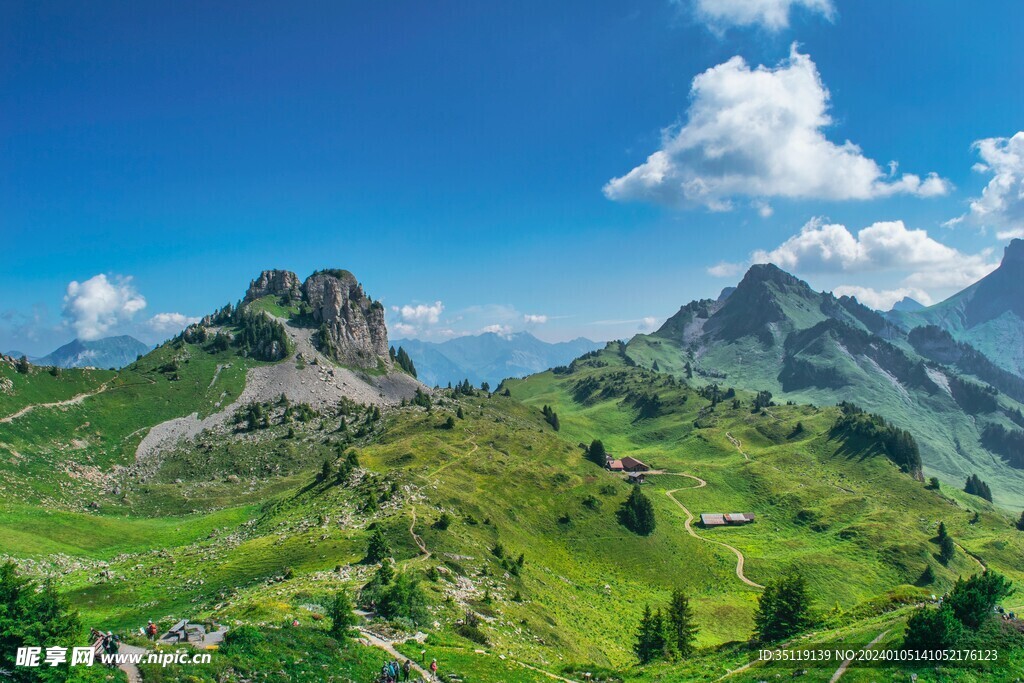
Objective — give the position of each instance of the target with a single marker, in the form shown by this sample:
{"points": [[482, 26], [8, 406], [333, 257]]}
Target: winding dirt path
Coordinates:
{"points": [[689, 528], [971, 555], [417, 538], [131, 670], [455, 460], [846, 663], [371, 639], [736, 442], [74, 400]]}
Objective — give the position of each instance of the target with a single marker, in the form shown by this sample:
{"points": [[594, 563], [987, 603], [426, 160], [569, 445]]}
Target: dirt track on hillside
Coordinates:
{"points": [[689, 529]]}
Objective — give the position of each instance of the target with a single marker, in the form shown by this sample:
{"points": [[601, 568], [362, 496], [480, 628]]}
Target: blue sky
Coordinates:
{"points": [[157, 156]]}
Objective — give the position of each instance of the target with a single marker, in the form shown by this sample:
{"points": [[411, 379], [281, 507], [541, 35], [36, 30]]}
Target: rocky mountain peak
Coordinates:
{"points": [[1014, 252], [352, 322], [274, 282], [770, 273]]}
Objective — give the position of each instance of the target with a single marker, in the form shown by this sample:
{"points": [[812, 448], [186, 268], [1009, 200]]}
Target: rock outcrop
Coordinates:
{"points": [[353, 322], [275, 282]]}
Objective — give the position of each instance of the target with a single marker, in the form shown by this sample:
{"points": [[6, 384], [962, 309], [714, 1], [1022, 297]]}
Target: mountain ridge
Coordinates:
{"points": [[490, 357], [109, 352]]}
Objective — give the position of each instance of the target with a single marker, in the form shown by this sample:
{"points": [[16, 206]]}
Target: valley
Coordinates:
{"points": [[307, 468]]}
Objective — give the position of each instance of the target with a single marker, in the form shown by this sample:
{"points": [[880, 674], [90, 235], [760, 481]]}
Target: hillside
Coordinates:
{"points": [[988, 315], [775, 333], [489, 357], [110, 352], [236, 525]]}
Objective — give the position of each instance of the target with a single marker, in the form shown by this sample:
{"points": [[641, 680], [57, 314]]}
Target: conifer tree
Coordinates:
{"points": [[682, 632], [597, 454]]}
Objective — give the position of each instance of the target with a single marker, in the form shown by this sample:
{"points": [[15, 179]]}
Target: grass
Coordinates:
{"points": [[276, 544]]}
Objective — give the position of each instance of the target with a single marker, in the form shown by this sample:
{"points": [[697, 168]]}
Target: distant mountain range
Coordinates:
{"points": [[489, 357], [110, 352], [952, 374]]}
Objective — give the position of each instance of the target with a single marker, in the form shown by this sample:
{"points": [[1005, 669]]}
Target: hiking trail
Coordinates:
{"points": [[417, 538], [846, 663], [74, 400], [736, 442], [689, 528]]}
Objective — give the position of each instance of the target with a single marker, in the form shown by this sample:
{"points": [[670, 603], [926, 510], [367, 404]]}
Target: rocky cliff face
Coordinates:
{"points": [[353, 322], [276, 282]]}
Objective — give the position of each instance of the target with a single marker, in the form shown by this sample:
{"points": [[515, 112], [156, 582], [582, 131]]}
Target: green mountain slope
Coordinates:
{"points": [[988, 315], [241, 523], [775, 333]]}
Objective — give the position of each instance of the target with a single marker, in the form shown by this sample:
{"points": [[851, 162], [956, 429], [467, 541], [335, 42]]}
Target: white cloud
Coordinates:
{"points": [[503, 330], [648, 324], [758, 133], [725, 269], [887, 246], [883, 299], [772, 15], [531, 319], [416, 320], [171, 322], [421, 313], [1001, 204], [95, 306]]}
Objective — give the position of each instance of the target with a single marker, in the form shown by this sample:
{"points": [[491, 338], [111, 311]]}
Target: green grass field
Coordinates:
{"points": [[273, 545]]}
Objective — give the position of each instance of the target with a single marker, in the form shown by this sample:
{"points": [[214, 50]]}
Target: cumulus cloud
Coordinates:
{"points": [[415, 320], [725, 269], [1001, 204], [422, 313], [886, 245], [99, 304], [758, 133], [648, 324], [772, 15], [883, 299], [166, 323], [503, 330], [531, 319]]}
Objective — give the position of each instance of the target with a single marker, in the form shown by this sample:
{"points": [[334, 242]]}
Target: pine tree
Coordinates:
{"points": [[942, 531], [650, 637], [973, 600], [947, 549], [341, 614], [682, 632], [1020, 522], [597, 454], [326, 470], [385, 573], [377, 548], [783, 609], [459, 414], [930, 629], [637, 513]]}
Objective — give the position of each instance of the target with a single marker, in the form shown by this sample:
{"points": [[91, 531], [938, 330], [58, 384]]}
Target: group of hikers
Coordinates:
{"points": [[392, 671]]}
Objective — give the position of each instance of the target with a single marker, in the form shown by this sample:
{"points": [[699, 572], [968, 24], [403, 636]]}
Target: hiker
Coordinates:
{"points": [[406, 670], [151, 630], [433, 669], [110, 645], [385, 673]]}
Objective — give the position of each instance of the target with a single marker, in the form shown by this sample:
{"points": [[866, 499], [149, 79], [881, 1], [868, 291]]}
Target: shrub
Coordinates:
{"points": [[932, 629]]}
